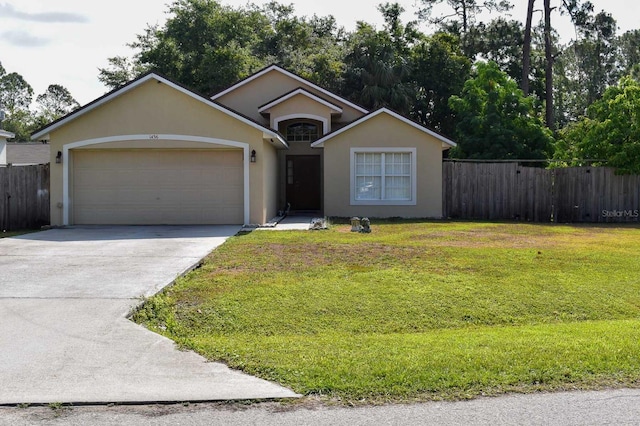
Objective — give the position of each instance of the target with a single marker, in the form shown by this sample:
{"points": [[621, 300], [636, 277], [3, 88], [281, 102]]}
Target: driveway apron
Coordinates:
{"points": [[64, 335]]}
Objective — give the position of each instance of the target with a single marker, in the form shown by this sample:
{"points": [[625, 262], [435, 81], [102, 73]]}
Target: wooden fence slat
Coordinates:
{"points": [[507, 191], [24, 197]]}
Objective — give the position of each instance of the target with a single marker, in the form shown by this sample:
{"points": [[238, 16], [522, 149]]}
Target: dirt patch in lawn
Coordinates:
{"points": [[517, 238], [306, 256], [301, 257], [484, 239]]}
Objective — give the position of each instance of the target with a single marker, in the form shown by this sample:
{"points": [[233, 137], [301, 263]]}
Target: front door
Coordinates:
{"points": [[303, 182]]}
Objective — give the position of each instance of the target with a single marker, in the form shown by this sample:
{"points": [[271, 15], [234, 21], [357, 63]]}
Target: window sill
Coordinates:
{"points": [[382, 203]]}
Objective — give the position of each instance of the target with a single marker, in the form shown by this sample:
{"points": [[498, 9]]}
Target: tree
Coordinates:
{"points": [[549, 58], [378, 71], [465, 11], [462, 21], [526, 49], [15, 97], [54, 103], [628, 47], [596, 53], [312, 48], [208, 46], [586, 68], [610, 132], [579, 12], [499, 41], [440, 69], [15, 92], [204, 45], [496, 121], [121, 70]]}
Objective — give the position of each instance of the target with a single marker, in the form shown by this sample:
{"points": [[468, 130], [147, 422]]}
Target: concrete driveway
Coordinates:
{"points": [[64, 297]]}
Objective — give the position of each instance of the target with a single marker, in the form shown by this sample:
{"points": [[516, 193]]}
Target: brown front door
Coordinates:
{"points": [[303, 182]]}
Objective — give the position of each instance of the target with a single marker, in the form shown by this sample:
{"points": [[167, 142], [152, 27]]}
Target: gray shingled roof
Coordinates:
{"points": [[28, 153]]}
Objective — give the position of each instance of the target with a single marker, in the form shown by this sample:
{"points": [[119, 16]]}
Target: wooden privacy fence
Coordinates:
{"points": [[596, 194], [509, 191], [494, 191], [24, 197], [486, 191]]}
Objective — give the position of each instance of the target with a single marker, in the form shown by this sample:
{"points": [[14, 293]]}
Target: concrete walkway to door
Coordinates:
{"points": [[64, 297]]}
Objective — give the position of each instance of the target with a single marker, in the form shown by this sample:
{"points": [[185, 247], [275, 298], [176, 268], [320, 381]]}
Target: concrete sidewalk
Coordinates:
{"points": [[64, 297], [290, 223]]}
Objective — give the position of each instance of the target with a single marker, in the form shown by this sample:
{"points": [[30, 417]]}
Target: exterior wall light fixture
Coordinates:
{"points": [[59, 157], [253, 156]]}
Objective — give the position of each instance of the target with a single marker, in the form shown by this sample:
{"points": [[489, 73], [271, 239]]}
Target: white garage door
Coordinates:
{"points": [[147, 187]]}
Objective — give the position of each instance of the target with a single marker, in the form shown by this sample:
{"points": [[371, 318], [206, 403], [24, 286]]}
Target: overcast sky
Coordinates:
{"points": [[66, 41]]}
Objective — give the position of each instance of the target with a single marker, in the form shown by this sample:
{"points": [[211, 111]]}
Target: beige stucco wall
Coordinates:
{"points": [[270, 183], [156, 108], [297, 105], [270, 86], [383, 131]]}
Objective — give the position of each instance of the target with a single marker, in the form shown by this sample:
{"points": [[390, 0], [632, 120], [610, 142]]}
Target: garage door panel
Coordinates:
{"points": [[92, 177], [158, 187], [116, 216], [101, 197], [225, 173]]}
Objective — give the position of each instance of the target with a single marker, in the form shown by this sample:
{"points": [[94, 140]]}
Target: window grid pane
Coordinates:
{"points": [[383, 176], [368, 176], [398, 188], [302, 132]]}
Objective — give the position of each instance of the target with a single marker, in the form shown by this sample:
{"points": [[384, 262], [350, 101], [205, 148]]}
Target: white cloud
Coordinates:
{"points": [[23, 39], [8, 11]]}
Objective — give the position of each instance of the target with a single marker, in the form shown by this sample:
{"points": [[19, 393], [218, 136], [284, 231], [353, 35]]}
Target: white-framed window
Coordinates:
{"points": [[383, 176], [302, 132]]}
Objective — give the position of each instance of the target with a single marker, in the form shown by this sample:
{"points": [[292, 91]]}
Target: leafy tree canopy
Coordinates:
{"points": [[54, 103], [378, 70], [610, 132], [16, 96], [462, 12], [15, 93], [495, 120], [440, 70], [209, 46]]}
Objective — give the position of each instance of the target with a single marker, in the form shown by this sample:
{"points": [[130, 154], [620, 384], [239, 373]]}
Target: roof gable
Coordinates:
{"points": [[138, 82], [28, 153], [6, 135], [446, 143], [295, 77], [335, 109]]}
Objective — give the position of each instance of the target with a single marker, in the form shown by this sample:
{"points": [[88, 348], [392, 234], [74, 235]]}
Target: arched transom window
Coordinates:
{"points": [[303, 132]]}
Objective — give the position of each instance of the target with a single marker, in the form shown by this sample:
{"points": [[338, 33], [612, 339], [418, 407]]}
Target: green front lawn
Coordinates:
{"points": [[417, 311]]}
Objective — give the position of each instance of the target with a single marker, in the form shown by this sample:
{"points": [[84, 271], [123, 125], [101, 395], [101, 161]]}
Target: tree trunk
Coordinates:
{"points": [[549, 65], [526, 50], [464, 17]]}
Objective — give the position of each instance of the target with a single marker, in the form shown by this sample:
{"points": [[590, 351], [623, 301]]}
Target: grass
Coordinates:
{"points": [[417, 311]]}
